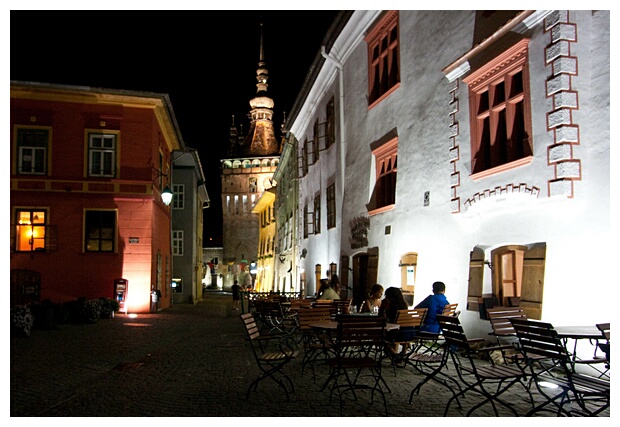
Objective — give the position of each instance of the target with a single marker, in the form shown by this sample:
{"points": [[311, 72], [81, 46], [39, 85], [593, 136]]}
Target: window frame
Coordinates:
{"points": [[488, 115], [330, 123], [114, 153], [331, 206], [17, 247], [177, 243], [317, 214], [384, 155], [305, 214], [178, 196], [315, 142], [383, 59], [87, 238], [304, 158], [19, 130]]}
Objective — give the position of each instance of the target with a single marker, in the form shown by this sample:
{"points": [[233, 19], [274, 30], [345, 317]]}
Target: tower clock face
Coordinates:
{"points": [[267, 183]]}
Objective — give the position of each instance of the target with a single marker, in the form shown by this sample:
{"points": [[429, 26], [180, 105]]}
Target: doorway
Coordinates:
{"points": [[364, 274]]}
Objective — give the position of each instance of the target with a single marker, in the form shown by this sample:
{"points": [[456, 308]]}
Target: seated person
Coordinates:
{"points": [[435, 304], [394, 301], [326, 291], [374, 299]]}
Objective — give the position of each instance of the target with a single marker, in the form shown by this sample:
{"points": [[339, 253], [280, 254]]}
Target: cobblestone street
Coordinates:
{"points": [[187, 361]]}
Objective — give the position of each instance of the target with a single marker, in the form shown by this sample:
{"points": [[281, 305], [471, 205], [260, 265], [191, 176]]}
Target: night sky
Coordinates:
{"points": [[205, 60]]}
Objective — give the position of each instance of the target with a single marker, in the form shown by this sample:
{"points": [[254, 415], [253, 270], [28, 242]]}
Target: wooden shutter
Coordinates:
{"points": [[373, 266], [344, 274], [476, 274], [533, 280]]}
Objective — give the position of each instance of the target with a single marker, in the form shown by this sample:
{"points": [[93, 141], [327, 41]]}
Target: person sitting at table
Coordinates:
{"points": [[435, 304], [373, 300], [326, 291], [335, 282], [394, 301]]}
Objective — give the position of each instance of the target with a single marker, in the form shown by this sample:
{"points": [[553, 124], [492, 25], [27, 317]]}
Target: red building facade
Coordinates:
{"points": [[88, 167]]}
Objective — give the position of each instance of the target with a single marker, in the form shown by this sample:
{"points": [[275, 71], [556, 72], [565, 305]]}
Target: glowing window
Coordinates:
{"points": [[30, 228]]}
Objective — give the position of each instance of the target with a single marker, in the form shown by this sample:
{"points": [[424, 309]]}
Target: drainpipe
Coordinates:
{"points": [[332, 58]]}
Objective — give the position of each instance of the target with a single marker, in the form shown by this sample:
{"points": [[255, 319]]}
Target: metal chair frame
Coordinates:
{"points": [[359, 347], [270, 362], [539, 339], [490, 381]]}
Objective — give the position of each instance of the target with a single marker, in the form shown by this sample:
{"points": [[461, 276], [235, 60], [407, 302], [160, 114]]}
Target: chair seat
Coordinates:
{"points": [[272, 356], [584, 384], [425, 357], [498, 372]]}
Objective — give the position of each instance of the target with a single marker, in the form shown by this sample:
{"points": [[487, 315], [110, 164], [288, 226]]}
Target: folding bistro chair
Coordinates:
{"points": [[450, 309], [432, 342], [359, 347], [490, 381], [409, 321], [604, 344], [539, 339], [317, 344], [270, 362]]}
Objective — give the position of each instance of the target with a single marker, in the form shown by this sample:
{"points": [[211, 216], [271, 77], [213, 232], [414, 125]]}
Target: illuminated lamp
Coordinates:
{"points": [[166, 196]]}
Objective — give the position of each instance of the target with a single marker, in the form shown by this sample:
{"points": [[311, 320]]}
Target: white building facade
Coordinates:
{"points": [[468, 147]]}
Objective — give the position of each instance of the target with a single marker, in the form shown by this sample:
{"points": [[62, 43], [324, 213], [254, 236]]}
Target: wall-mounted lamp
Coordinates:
{"points": [[166, 196]]}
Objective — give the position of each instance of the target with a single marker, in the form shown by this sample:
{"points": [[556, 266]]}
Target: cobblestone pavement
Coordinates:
{"points": [[187, 361]]}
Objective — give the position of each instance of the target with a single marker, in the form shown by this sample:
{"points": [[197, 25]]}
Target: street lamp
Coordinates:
{"points": [[166, 196]]}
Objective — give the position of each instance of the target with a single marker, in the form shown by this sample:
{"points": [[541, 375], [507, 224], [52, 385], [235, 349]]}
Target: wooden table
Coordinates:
{"points": [[577, 333], [332, 325]]}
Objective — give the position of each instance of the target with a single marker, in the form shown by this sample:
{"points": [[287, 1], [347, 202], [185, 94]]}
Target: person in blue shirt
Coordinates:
{"points": [[434, 303]]}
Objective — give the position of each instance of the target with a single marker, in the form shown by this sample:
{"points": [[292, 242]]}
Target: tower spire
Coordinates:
{"points": [[261, 139], [261, 57]]}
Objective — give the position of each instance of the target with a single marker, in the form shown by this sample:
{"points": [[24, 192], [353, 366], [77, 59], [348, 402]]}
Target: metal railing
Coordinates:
{"points": [[248, 296]]}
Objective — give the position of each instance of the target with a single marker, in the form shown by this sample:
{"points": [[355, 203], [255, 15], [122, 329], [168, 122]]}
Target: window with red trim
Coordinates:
{"points": [[499, 101], [383, 58], [386, 163]]}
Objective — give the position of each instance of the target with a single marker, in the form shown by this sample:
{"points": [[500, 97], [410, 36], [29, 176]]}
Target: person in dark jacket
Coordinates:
{"points": [[236, 295], [435, 304]]}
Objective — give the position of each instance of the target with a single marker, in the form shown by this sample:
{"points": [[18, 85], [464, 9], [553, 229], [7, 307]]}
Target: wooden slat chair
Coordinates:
{"points": [[604, 344], [359, 345], [341, 305], [409, 321], [489, 381], [451, 309], [270, 361], [432, 342], [502, 329], [540, 340], [272, 317], [317, 345]]}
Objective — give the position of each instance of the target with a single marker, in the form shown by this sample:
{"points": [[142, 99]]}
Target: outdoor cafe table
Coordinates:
{"points": [[577, 333], [332, 325]]}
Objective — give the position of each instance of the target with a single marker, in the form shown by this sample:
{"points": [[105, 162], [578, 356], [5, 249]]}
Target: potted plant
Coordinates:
{"points": [[21, 321]]}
